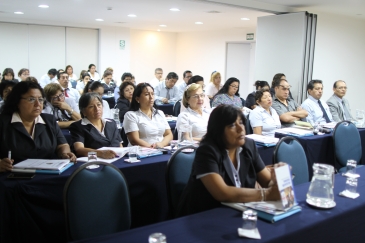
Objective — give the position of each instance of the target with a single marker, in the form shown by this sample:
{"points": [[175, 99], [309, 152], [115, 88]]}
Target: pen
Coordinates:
{"points": [[9, 154]]}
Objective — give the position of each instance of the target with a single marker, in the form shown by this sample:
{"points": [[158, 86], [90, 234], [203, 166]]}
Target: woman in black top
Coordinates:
{"points": [[250, 100], [226, 166], [126, 90]]}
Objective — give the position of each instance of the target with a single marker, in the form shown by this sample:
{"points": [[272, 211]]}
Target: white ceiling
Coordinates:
{"points": [[152, 13]]}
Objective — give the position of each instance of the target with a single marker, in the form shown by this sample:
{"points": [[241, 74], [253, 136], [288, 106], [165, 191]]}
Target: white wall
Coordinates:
{"points": [[205, 52], [340, 54], [151, 50]]}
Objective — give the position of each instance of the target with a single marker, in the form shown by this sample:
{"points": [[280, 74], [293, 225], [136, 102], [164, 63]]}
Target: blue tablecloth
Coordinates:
{"points": [[166, 108], [343, 223]]}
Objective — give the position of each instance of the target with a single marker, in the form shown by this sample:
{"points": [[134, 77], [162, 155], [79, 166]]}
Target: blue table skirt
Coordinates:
{"points": [[343, 223], [166, 108]]}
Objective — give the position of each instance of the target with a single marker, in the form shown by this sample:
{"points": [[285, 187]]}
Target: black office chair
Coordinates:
{"points": [[248, 125], [176, 108], [177, 176], [96, 203], [175, 134], [243, 102], [124, 137]]}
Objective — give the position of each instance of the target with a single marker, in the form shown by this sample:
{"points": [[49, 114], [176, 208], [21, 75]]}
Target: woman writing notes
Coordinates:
{"points": [[194, 115], [144, 125], [226, 167], [94, 132], [26, 132], [264, 119]]}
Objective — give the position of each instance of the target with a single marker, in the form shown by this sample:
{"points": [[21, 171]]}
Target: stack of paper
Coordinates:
{"points": [[43, 166], [263, 140], [147, 152], [297, 132]]}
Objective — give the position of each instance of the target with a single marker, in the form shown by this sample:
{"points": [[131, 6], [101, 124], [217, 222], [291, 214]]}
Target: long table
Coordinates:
{"points": [[343, 223]]}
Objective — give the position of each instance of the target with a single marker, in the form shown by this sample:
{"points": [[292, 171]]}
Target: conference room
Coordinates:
{"points": [[137, 45]]}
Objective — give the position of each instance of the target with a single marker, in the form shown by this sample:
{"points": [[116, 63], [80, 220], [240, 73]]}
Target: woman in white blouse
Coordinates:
{"points": [[94, 75], [214, 85], [85, 78], [264, 119], [144, 125], [195, 115]]}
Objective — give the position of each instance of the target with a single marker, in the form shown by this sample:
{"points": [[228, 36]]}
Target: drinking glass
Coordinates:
{"points": [[351, 185], [351, 167], [173, 143], [109, 93], [91, 157], [157, 238], [249, 219], [132, 154]]}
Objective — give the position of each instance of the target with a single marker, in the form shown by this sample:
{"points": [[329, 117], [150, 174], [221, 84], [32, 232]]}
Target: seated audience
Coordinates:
{"points": [[288, 110], [94, 75], [182, 86], [5, 89], [31, 79], [250, 100], [144, 125], [23, 74], [264, 119], [107, 82], [318, 111], [50, 77], [8, 74], [98, 88], [228, 94], [214, 85], [226, 167], [64, 109], [84, 79], [198, 80], [72, 78], [277, 78], [158, 77], [126, 77], [126, 90], [62, 79], [339, 106], [28, 133], [93, 131], [194, 115], [166, 91]]}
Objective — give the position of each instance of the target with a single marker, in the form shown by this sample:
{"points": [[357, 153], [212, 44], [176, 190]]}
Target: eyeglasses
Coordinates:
{"points": [[58, 97], [285, 88], [197, 96], [235, 87], [33, 99]]}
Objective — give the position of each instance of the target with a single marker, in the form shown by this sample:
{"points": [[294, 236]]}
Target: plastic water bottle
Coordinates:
{"points": [[116, 117]]}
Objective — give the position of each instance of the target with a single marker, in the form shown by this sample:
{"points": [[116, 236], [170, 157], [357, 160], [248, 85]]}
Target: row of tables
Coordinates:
{"points": [[33, 209]]}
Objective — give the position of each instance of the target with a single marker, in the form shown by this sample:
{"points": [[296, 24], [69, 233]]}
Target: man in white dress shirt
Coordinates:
{"points": [[339, 106], [158, 77], [182, 86], [48, 78], [167, 91], [318, 111], [69, 92]]}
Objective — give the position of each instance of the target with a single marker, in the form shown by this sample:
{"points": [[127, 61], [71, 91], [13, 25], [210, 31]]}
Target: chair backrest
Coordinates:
{"points": [[248, 125], [175, 134], [176, 109], [96, 203], [177, 175], [346, 143], [124, 137], [243, 101], [290, 151]]}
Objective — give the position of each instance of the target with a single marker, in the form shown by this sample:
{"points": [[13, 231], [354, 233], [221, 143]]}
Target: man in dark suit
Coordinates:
{"points": [[339, 106]]}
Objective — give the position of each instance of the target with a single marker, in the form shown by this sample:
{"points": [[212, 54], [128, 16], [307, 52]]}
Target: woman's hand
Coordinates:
{"points": [[6, 164], [159, 145], [70, 156], [106, 154]]}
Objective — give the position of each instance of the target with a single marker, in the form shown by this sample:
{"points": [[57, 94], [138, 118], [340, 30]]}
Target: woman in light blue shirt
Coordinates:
{"points": [[264, 119]]}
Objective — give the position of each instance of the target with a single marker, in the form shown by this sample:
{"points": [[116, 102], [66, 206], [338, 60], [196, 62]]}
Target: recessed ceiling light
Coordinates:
{"points": [[43, 6], [245, 19], [18, 12], [132, 15], [174, 9], [198, 22], [163, 25], [99, 20], [158, 30]]}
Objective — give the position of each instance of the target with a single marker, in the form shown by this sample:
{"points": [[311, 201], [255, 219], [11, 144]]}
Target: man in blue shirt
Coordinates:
{"points": [[318, 111], [167, 91], [182, 86]]}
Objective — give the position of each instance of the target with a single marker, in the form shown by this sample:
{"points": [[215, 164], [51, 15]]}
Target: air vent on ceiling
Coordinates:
{"points": [[213, 12]]}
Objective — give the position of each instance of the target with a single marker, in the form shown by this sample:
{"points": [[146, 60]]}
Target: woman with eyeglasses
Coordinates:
{"points": [[23, 74], [195, 115], [145, 125], [64, 109], [199, 80], [228, 94], [26, 132]]}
